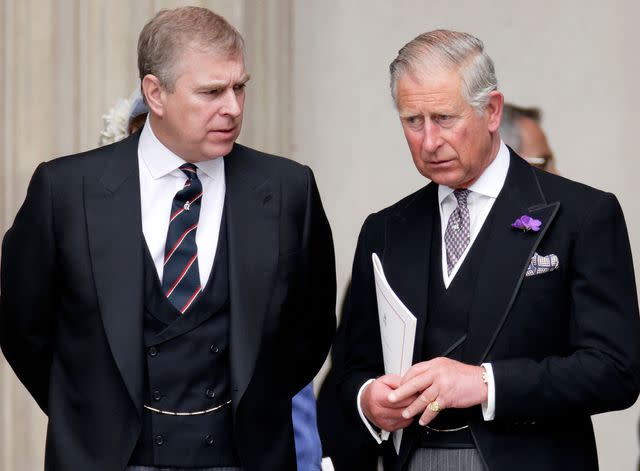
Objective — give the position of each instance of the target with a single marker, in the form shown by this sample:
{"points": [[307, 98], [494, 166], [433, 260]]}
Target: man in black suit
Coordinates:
{"points": [[522, 283], [163, 298]]}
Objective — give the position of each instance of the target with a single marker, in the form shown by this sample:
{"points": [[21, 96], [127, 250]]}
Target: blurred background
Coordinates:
{"points": [[319, 94]]}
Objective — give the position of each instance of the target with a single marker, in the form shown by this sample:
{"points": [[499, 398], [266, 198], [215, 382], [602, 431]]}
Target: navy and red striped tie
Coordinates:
{"points": [[181, 278]]}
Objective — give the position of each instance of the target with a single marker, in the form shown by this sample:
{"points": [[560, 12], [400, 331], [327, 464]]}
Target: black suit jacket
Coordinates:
{"points": [[72, 302], [563, 345]]}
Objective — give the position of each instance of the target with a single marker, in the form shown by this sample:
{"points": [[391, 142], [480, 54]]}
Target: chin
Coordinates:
{"points": [[218, 150]]}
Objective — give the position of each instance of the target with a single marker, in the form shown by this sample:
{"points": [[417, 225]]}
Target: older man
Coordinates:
{"points": [[163, 298], [521, 281]]}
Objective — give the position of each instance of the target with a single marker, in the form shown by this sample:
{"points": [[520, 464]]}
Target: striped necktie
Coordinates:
{"points": [[181, 278]]}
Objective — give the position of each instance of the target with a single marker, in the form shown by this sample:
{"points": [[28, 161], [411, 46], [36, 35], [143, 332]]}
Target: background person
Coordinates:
{"points": [[520, 129]]}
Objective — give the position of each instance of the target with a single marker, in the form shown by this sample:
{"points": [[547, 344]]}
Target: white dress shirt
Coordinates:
{"points": [[160, 180], [482, 195]]}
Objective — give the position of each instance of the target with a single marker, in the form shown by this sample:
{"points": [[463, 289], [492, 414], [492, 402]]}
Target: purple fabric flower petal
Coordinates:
{"points": [[518, 224], [527, 223], [535, 225]]}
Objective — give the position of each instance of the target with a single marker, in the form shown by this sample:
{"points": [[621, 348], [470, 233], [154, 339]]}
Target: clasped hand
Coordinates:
{"points": [[391, 402]]}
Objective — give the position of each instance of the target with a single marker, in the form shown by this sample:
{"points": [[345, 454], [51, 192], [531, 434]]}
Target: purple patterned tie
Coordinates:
{"points": [[458, 233]]}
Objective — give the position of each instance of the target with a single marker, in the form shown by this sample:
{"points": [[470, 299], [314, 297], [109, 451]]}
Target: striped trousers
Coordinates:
{"points": [[445, 459]]}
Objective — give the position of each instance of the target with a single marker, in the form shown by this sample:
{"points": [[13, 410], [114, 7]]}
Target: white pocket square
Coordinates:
{"points": [[540, 264]]}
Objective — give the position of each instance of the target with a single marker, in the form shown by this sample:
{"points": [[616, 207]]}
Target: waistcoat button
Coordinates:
{"points": [[156, 395], [158, 440], [153, 351], [208, 440], [210, 393]]}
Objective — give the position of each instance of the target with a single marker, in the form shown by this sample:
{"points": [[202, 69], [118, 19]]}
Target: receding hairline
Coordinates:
{"points": [[170, 32], [451, 51]]}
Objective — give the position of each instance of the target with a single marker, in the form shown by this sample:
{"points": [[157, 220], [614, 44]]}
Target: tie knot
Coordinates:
{"points": [[190, 170], [461, 196]]}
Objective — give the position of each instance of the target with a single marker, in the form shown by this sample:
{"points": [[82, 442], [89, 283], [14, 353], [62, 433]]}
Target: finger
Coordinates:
{"points": [[417, 406], [415, 370], [408, 389], [398, 404], [392, 420], [392, 381], [431, 411], [421, 403]]}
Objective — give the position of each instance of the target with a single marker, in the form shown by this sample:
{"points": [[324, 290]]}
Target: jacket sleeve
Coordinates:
{"points": [[361, 345], [311, 322], [28, 289], [601, 371]]}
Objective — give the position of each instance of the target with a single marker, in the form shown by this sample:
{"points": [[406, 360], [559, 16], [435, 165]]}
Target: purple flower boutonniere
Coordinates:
{"points": [[527, 223]]}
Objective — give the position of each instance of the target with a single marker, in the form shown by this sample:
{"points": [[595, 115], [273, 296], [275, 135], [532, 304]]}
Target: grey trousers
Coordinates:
{"points": [[151, 468], [445, 459]]}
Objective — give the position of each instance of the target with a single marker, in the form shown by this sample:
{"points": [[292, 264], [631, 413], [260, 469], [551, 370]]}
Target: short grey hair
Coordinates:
{"points": [[165, 37], [510, 126], [454, 51]]}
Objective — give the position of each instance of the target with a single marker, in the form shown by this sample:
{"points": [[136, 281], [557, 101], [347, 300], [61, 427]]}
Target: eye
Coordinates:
{"points": [[443, 118], [240, 87], [212, 91], [413, 120]]}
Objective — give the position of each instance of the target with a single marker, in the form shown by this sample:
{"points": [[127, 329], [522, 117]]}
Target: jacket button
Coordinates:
{"points": [[214, 349], [153, 351], [158, 440], [210, 393], [156, 395], [208, 440]]}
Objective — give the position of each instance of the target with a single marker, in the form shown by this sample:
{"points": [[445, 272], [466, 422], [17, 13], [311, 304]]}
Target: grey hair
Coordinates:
{"points": [[165, 37], [510, 126], [450, 50]]}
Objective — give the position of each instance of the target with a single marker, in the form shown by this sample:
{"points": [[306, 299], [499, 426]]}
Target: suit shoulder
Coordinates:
{"points": [[377, 221], [268, 163], [83, 163], [570, 192], [397, 208]]}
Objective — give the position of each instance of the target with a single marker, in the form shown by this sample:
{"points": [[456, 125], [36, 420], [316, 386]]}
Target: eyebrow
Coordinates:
{"points": [[220, 83]]}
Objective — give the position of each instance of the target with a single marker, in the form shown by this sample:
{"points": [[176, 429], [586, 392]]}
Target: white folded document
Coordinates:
{"points": [[397, 332]]}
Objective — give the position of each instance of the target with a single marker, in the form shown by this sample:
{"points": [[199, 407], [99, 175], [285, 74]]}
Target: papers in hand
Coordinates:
{"points": [[397, 332]]}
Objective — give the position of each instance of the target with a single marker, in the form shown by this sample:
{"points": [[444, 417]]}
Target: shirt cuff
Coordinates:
{"points": [[489, 407], [379, 437]]}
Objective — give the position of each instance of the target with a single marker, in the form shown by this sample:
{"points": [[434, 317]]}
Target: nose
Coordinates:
{"points": [[431, 139], [232, 105]]}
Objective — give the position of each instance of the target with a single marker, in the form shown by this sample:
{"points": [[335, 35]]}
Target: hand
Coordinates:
{"points": [[451, 383], [377, 408]]}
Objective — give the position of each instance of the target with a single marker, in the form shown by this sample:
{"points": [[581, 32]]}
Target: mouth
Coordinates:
{"points": [[228, 132], [440, 163]]}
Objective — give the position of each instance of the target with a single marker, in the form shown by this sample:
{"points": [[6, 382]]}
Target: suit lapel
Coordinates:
{"points": [[506, 257], [406, 256], [112, 205], [252, 203]]}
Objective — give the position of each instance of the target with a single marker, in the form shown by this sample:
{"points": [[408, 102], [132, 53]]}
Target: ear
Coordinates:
{"points": [[494, 110], [154, 94]]}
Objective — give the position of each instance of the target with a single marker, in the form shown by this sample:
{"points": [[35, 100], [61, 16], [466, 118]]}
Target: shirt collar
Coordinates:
{"points": [[492, 179], [160, 161]]}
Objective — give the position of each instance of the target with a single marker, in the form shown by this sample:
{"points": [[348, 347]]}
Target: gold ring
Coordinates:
{"points": [[433, 406]]}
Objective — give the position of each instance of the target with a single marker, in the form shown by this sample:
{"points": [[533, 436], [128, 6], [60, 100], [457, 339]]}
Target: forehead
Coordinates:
{"points": [[209, 65], [436, 88], [533, 141]]}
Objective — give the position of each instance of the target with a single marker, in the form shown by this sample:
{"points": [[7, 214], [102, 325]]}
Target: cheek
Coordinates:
{"points": [[414, 140]]}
